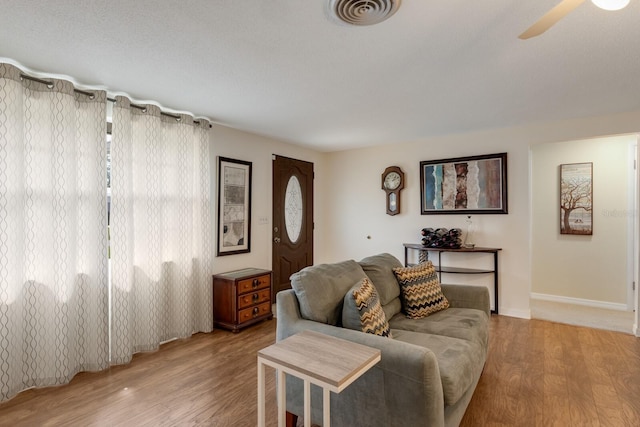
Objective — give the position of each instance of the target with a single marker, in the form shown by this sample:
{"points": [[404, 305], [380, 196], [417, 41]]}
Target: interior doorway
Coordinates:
{"points": [[587, 277], [292, 232]]}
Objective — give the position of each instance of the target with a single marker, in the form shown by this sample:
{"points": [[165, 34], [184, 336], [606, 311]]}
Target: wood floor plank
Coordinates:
{"points": [[531, 410], [537, 373], [582, 406]]}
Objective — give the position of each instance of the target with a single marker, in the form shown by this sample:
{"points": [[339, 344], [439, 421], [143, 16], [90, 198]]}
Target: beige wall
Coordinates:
{"points": [[589, 268], [349, 204], [358, 210], [227, 142]]}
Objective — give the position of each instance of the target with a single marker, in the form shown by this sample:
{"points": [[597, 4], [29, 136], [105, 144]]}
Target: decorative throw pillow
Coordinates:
{"points": [[421, 293], [362, 310]]}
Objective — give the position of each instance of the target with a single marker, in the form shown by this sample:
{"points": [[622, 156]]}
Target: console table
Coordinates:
{"points": [[460, 270], [312, 357]]}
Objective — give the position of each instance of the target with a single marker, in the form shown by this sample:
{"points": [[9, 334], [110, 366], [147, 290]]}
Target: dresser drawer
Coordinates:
{"points": [[247, 300], [254, 284], [241, 298], [253, 312]]}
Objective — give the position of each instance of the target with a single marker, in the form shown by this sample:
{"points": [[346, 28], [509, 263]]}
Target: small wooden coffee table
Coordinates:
{"points": [[329, 362]]}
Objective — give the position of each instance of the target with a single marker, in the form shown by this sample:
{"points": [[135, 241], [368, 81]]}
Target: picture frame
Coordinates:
{"points": [[234, 206], [576, 198], [464, 185]]}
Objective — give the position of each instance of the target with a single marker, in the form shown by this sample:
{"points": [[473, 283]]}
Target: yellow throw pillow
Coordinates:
{"points": [[362, 310], [421, 293]]}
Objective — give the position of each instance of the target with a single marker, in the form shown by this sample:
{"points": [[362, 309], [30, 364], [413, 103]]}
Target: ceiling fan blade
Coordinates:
{"points": [[550, 18]]}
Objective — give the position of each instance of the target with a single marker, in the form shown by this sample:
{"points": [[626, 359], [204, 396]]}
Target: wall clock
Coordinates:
{"points": [[392, 183]]}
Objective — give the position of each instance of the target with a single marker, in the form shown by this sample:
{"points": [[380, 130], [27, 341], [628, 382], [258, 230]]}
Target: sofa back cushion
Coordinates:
{"points": [[362, 310], [321, 288], [379, 268]]}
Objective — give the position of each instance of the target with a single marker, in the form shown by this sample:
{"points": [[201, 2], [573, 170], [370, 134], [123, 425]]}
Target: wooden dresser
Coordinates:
{"points": [[241, 298]]}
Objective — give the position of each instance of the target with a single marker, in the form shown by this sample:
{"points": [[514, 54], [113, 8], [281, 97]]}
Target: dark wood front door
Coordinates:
{"points": [[292, 233]]}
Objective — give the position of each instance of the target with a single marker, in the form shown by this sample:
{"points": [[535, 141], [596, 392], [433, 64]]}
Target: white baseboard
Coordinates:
{"points": [[580, 301], [521, 314]]}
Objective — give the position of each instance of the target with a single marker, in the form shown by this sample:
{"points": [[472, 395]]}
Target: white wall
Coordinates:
{"points": [[358, 209], [349, 203], [593, 268], [227, 142]]}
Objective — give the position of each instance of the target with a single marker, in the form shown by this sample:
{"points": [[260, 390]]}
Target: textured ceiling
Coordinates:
{"points": [[286, 69]]}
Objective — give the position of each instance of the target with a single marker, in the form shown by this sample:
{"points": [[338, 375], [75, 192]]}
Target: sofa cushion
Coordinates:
{"points": [[460, 362], [420, 290], [393, 308], [362, 310], [320, 289], [379, 268], [464, 323]]}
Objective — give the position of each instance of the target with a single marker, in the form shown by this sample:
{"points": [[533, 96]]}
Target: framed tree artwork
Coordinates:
{"points": [[234, 206], [576, 198]]}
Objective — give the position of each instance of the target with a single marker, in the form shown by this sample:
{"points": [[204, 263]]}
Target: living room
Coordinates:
{"points": [[350, 180], [349, 209]]}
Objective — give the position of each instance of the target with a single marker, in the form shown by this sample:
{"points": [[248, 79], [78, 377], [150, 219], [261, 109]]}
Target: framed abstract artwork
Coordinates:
{"points": [[464, 185], [234, 206], [576, 198]]}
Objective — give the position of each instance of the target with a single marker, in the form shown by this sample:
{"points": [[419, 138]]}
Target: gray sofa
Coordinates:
{"points": [[429, 368]]}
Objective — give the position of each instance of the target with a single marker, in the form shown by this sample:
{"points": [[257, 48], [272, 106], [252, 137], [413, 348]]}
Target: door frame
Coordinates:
{"points": [[632, 240], [634, 244]]}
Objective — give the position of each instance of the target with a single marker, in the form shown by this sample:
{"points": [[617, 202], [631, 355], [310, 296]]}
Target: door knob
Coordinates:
{"points": [[276, 239]]}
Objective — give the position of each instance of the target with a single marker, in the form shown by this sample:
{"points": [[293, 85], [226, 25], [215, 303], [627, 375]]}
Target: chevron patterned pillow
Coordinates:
{"points": [[421, 293], [362, 310]]}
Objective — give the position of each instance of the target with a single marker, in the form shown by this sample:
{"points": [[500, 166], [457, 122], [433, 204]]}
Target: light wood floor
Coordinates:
{"points": [[580, 315], [538, 374]]}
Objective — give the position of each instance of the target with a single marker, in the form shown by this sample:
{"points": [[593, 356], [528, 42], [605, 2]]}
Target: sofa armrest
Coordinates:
{"points": [[467, 296], [405, 383]]}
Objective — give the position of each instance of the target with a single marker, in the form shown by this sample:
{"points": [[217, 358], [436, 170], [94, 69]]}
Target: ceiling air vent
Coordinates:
{"points": [[364, 12]]}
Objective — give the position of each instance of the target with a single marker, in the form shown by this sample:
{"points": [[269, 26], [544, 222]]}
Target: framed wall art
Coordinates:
{"points": [[234, 206], [576, 198], [464, 185]]}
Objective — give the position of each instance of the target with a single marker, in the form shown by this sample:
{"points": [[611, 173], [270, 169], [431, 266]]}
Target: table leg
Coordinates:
{"points": [[282, 399], [326, 410], [261, 400], [307, 403]]}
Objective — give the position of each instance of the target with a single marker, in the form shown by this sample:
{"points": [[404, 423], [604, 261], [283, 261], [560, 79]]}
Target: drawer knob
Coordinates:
{"points": [[255, 297], [255, 283], [256, 310]]}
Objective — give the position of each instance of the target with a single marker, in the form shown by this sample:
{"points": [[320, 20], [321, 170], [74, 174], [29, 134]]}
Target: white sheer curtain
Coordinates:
{"points": [[53, 233], [160, 229]]}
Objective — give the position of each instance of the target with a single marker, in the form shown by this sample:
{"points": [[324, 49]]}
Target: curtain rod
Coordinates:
{"points": [[49, 84], [144, 110], [91, 95]]}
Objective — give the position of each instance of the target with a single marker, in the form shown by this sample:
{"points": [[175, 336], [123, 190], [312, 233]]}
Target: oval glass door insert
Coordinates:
{"points": [[293, 209]]}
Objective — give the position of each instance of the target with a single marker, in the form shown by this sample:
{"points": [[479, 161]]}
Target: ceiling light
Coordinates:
{"points": [[611, 4]]}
